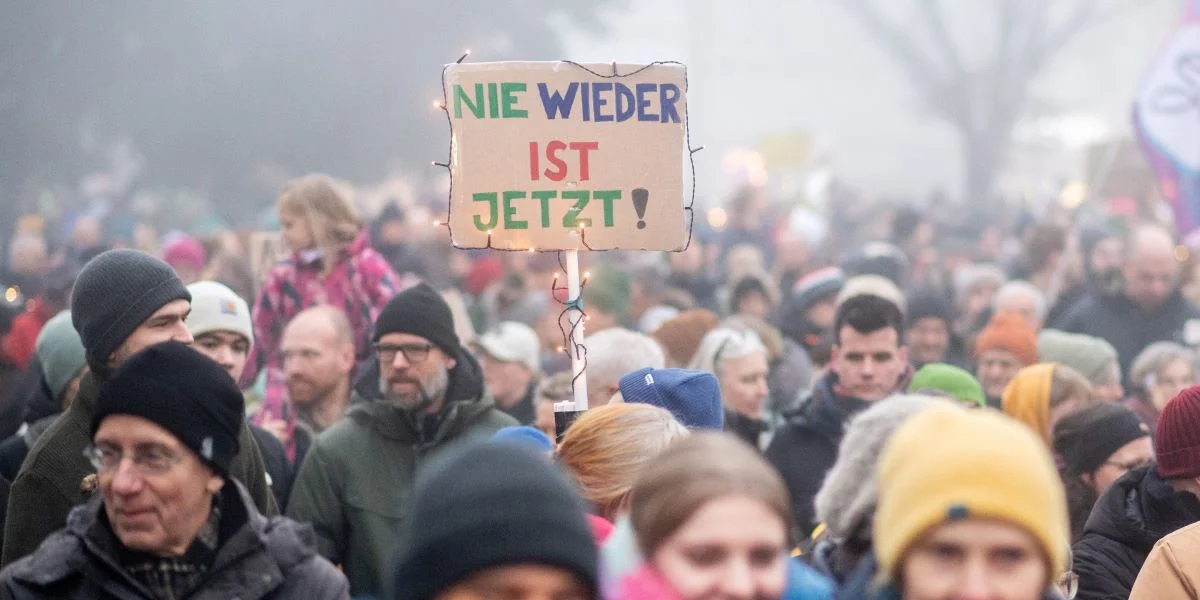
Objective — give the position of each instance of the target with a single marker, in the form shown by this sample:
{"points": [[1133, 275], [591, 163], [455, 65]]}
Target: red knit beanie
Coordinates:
{"points": [[1177, 439]]}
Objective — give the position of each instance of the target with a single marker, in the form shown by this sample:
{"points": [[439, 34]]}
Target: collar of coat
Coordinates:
{"points": [[87, 548]]}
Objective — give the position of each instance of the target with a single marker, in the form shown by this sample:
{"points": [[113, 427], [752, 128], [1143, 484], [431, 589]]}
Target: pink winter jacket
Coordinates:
{"points": [[360, 284]]}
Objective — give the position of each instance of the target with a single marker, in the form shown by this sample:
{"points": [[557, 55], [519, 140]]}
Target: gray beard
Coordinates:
{"points": [[423, 398]]}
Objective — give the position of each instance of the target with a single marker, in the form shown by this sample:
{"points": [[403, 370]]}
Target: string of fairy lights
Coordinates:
{"points": [[576, 350]]}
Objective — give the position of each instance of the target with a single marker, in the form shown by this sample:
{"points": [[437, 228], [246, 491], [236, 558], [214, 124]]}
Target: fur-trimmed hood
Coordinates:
{"points": [[847, 499]]}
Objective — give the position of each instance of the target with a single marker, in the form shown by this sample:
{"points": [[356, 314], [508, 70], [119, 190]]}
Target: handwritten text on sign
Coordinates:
{"points": [[543, 150]]}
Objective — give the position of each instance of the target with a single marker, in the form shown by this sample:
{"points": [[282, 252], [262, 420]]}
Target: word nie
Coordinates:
{"points": [[501, 99]]}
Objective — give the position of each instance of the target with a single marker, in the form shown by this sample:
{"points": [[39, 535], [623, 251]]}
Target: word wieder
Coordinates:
{"points": [[598, 102]]}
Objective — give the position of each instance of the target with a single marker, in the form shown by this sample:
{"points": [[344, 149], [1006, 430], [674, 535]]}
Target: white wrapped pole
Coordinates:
{"points": [[575, 318]]}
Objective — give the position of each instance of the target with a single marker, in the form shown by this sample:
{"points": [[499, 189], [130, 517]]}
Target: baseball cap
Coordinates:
{"points": [[511, 341]]}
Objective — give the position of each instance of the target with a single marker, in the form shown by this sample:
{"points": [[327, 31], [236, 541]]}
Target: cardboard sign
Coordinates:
{"points": [[547, 156]]}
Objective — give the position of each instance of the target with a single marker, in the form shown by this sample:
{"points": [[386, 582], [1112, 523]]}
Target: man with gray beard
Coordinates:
{"points": [[355, 484]]}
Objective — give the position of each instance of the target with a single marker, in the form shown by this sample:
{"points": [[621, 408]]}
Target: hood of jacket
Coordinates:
{"points": [[465, 379], [465, 401], [1139, 509]]}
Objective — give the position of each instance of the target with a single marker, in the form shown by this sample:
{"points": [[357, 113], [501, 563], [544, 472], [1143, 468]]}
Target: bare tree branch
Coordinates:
{"points": [[927, 78], [941, 36], [1057, 37]]}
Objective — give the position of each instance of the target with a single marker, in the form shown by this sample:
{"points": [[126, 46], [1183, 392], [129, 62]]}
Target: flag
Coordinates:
{"points": [[1166, 119]]}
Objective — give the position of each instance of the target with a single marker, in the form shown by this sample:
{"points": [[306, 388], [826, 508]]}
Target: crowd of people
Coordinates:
{"points": [[872, 403]]}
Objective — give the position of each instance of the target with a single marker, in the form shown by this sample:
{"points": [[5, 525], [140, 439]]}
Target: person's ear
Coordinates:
{"points": [[1089, 479], [612, 389], [347, 358], [215, 483], [450, 363], [903, 353]]}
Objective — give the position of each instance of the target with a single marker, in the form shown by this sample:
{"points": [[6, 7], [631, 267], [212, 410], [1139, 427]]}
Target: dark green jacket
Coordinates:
{"points": [[355, 485], [50, 482]]}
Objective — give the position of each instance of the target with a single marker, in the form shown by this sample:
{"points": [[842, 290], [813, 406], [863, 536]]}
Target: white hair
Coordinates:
{"points": [[723, 344], [1017, 288], [973, 275], [614, 352]]}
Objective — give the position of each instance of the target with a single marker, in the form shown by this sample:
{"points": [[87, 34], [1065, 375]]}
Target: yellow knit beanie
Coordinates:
{"points": [[947, 463]]}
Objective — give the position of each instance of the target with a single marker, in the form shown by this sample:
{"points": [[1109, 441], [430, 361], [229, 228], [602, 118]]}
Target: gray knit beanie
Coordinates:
{"points": [[115, 293], [847, 498], [1087, 354], [60, 353]]}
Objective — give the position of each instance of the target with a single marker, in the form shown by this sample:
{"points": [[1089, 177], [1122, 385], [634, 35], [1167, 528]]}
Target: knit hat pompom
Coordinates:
{"points": [[998, 470]]}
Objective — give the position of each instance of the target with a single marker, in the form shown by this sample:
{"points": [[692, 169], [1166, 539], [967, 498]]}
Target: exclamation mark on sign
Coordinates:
{"points": [[641, 196]]}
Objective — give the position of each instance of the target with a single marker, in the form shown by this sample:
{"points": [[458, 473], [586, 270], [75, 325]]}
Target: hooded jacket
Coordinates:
{"points": [[1132, 515], [1171, 571], [806, 446], [257, 559], [1127, 327], [355, 485], [50, 481]]}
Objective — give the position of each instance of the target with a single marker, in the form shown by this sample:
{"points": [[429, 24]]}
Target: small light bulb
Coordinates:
{"points": [[587, 274], [437, 223], [467, 51], [489, 232]]}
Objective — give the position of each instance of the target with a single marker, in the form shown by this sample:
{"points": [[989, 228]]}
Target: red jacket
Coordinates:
{"points": [[21, 341]]}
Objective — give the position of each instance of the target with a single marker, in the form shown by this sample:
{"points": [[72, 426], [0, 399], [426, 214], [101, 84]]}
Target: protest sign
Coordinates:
{"points": [[563, 156]]}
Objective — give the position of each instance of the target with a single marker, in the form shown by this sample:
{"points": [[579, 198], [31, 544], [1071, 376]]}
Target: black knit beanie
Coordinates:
{"points": [[489, 505], [182, 391], [1084, 439], [115, 293], [419, 311]]}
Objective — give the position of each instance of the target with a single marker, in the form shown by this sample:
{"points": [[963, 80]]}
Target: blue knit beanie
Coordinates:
{"points": [[692, 397]]}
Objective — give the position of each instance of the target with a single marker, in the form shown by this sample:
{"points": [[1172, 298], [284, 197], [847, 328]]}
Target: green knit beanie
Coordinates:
{"points": [[950, 380]]}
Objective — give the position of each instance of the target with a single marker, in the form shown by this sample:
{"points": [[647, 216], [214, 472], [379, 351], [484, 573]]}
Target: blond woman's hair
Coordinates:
{"points": [[607, 448], [316, 201]]}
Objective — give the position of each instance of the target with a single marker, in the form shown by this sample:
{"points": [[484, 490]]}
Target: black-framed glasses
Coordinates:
{"points": [[149, 460], [413, 353]]}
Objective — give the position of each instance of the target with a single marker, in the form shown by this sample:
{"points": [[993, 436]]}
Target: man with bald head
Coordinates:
{"points": [[318, 358], [1149, 308]]}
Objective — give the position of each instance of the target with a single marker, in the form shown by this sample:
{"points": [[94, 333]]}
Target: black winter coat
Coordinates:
{"points": [[1132, 515], [279, 470], [262, 559], [806, 446], [1128, 328]]}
